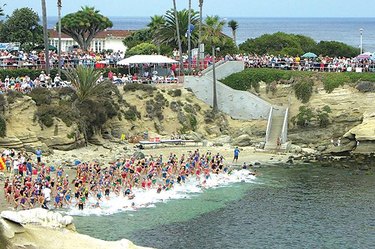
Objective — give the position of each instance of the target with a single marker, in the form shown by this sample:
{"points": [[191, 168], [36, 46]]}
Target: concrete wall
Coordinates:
{"points": [[227, 68], [237, 104]]}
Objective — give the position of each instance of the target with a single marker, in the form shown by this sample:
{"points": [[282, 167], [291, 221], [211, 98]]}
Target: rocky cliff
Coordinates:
{"points": [[42, 229], [24, 130], [351, 116], [163, 112]]}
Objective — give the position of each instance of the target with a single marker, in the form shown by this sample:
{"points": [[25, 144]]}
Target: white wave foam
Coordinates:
{"points": [[147, 198]]}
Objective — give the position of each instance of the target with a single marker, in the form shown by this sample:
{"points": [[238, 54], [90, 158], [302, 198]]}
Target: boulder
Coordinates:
{"points": [[295, 149], [11, 228], [364, 131], [38, 216], [138, 155], [225, 139], [191, 135], [321, 148], [243, 140]]}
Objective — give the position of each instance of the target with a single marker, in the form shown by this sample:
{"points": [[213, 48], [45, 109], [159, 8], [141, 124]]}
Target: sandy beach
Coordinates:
{"points": [[104, 156]]}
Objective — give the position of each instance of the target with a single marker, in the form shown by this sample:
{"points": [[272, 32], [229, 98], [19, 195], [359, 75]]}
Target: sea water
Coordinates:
{"points": [[285, 206], [320, 29]]}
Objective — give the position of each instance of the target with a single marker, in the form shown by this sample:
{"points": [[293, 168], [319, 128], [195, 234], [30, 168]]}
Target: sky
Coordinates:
{"points": [[223, 8]]}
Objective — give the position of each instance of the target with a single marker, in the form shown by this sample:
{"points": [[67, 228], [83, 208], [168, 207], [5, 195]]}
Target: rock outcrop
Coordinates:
{"points": [[363, 135], [43, 229]]}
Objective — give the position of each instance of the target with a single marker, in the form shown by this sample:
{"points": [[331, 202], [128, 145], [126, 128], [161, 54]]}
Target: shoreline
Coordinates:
{"points": [[107, 155]]}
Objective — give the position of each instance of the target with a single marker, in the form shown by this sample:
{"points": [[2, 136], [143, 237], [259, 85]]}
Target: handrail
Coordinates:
{"points": [[269, 124], [284, 131]]}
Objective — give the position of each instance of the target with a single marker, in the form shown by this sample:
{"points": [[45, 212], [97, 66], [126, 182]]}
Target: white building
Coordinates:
{"points": [[104, 40]]}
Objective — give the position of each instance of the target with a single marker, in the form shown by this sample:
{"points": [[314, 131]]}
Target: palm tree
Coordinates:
{"points": [[85, 82], [2, 10], [45, 35], [234, 26], [213, 37], [167, 34], [178, 34], [156, 23], [200, 32]]}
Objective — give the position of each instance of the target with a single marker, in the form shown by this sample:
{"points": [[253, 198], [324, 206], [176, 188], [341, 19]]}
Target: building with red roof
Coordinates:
{"points": [[110, 39]]}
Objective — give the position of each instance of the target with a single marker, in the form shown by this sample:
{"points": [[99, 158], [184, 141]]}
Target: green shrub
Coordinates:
{"points": [[13, 95], [3, 102], [132, 113], [323, 116], [209, 117], [333, 80], [189, 109], [3, 126], [303, 90], [250, 78], [142, 48], [132, 87], [197, 107], [175, 93], [66, 91], [193, 122], [45, 114], [304, 117], [175, 106], [41, 96]]}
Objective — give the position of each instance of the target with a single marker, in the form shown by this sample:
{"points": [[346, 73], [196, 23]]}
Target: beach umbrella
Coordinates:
{"points": [[309, 55]]}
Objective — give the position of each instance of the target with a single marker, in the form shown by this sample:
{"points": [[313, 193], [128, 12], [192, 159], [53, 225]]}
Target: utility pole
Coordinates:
{"points": [[361, 41], [59, 5], [178, 37], [200, 34], [214, 99]]}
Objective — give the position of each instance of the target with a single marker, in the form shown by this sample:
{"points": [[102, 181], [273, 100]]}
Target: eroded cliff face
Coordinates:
{"points": [[24, 130], [349, 108], [350, 117]]}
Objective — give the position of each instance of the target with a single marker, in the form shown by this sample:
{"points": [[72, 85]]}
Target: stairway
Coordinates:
{"points": [[276, 128]]}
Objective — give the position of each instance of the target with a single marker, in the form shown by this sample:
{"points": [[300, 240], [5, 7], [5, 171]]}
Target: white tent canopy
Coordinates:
{"points": [[146, 59]]}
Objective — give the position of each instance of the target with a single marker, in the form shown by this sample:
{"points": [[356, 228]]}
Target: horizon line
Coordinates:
{"points": [[332, 17]]}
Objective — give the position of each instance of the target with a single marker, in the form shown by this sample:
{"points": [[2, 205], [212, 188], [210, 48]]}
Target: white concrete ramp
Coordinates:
{"points": [[238, 104], [276, 128]]}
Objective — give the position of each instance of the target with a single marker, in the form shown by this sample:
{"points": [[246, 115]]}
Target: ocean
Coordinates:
{"points": [[300, 206], [320, 29]]}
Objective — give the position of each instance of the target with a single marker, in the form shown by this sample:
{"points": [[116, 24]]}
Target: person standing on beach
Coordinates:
{"points": [[38, 153], [236, 153]]}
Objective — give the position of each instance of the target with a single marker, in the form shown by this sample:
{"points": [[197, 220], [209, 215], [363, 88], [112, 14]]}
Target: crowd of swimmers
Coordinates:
{"points": [[50, 187]]}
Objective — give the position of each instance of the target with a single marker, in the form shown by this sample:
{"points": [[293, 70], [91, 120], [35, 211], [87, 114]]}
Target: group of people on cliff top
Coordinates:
{"points": [[47, 186], [35, 60], [321, 64]]}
